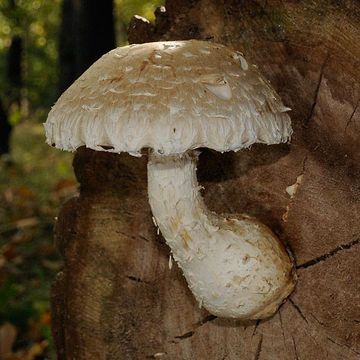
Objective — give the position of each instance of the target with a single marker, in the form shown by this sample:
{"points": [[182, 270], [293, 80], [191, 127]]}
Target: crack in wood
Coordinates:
{"points": [[317, 91], [255, 327], [206, 319], [317, 320], [186, 335], [304, 164], [142, 237], [328, 255], [126, 235], [137, 279], [297, 308], [259, 348], [351, 116], [190, 333], [282, 330], [295, 349], [343, 345]]}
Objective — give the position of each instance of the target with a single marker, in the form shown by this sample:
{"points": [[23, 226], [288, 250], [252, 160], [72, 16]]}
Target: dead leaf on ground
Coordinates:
{"points": [[32, 353], [28, 222], [8, 334]]}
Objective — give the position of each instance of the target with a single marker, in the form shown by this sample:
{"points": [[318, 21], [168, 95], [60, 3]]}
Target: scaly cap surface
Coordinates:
{"points": [[171, 97]]}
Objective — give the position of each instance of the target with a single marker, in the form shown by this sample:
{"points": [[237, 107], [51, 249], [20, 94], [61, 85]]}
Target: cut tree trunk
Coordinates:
{"points": [[116, 297]]}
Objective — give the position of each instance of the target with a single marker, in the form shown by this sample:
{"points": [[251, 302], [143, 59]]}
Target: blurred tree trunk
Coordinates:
{"points": [[67, 45], [5, 131], [13, 91], [116, 297], [96, 31], [11, 102], [87, 32], [14, 69]]}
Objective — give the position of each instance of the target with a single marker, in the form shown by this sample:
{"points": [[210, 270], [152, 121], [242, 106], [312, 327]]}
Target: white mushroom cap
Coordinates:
{"points": [[171, 97]]}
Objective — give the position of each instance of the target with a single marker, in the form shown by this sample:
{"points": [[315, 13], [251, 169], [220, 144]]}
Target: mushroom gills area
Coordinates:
{"points": [[236, 268]]}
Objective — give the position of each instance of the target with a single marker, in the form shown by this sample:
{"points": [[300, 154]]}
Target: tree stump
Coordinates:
{"points": [[116, 297]]}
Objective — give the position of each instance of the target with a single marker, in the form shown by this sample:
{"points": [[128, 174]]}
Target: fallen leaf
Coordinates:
{"points": [[36, 350], [3, 261], [45, 318], [8, 334], [9, 252], [22, 223], [54, 265], [65, 183]]}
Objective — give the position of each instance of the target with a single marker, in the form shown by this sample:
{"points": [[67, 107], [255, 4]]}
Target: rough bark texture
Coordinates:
{"points": [[117, 298]]}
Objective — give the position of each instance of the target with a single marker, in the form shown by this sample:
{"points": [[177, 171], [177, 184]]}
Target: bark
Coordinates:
{"points": [[140, 30], [116, 297]]}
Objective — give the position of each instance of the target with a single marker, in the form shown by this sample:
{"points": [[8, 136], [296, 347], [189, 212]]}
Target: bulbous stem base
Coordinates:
{"points": [[236, 268]]}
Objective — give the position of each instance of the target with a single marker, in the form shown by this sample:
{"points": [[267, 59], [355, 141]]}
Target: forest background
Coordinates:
{"points": [[44, 47]]}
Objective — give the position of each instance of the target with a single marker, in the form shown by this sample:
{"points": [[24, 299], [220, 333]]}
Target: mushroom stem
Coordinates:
{"points": [[236, 268]]}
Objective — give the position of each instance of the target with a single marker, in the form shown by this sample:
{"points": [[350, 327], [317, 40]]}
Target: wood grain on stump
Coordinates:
{"points": [[116, 297]]}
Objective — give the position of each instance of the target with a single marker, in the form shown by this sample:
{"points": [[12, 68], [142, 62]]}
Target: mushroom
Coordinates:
{"points": [[172, 98]]}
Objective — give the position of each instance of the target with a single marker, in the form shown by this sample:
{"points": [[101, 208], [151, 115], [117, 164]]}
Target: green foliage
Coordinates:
{"points": [[15, 117], [37, 23]]}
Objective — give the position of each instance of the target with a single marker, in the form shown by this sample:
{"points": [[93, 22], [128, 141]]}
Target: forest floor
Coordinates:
{"points": [[33, 185]]}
